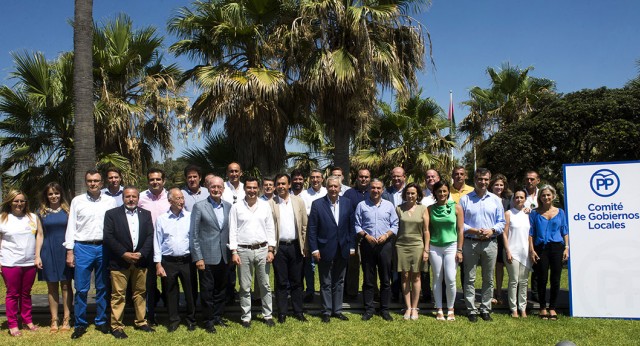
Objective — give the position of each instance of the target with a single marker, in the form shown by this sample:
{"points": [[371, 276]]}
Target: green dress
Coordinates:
{"points": [[410, 242]]}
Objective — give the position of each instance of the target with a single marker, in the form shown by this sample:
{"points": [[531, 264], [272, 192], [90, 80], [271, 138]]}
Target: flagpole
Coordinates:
{"points": [[451, 125]]}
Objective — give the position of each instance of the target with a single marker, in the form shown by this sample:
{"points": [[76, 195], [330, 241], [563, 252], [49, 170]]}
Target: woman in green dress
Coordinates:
{"points": [[412, 247], [446, 227]]}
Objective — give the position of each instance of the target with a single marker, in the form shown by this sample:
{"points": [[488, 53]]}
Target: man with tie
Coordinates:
{"points": [[173, 258], [290, 218], [128, 235], [331, 241], [208, 239]]}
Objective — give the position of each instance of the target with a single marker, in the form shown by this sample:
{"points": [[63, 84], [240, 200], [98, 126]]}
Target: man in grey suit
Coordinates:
{"points": [[209, 237]]}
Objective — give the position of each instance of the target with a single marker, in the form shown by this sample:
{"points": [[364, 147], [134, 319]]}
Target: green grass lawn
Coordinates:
{"points": [[426, 331]]}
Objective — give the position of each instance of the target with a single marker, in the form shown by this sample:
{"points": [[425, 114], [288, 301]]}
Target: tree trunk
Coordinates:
{"points": [[341, 140], [83, 133]]}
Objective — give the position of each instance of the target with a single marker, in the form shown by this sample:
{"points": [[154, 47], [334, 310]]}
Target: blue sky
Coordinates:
{"points": [[577, 43]]}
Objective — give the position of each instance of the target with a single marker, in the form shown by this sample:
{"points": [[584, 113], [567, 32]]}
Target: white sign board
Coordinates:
{"points": [[603, 211]]}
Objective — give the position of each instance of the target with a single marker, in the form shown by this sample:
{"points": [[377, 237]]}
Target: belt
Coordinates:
{"points": [[289, 242], [254, 246], [177, 259], [476, 239], [89, 242]]}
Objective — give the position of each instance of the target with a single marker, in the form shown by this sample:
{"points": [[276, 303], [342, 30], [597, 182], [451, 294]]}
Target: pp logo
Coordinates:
{"points": [[605, 183]]}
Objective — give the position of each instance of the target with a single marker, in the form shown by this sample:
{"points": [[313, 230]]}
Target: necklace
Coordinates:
{"points": [[53, 211]]}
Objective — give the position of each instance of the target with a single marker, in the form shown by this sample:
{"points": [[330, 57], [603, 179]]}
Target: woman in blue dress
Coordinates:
{"points": [[51, 254], [548, 247]]}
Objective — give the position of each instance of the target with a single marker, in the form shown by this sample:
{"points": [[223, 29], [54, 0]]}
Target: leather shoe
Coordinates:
{"points": [[473, 318], [269, 322], [325, 318], [308, 297], [220, 323], [246, 324], [78, 332], [191, 327], [211, 329], [485, 316], [340, 316], [145, 328], [152, 322], [172, 328], [282, 318], [367, 316], [104, 328], [386, 316], [119, 334], [300, 317]]}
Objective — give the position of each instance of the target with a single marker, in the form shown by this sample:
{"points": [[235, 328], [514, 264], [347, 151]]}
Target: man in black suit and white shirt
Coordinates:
{"points": [[128, 235]]}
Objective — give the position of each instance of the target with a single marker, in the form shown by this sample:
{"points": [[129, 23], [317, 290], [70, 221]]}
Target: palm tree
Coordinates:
{"points": [[344, 50], [238, 46], [83, 135], [312, 135], [214, 156], [410, 137], [139, 101]]}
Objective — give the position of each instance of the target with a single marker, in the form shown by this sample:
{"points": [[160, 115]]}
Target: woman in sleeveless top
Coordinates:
{"points": [[516, 254], [499, 187], [446, 227], [412, 254]]}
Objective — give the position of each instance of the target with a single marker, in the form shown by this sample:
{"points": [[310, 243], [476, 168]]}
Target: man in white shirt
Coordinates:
{"points": [[314, 192], [173, 259], [337, 172], [252, 242], [114, 185], [83, 240], [233, 188]]}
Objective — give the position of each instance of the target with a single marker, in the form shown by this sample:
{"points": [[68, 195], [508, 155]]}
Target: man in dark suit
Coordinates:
{"points": [[208, 239], [128, 235], [331, 240]]}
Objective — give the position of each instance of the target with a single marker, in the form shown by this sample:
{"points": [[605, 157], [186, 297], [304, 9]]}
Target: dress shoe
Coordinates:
{"points": [[220, 323], [485, 316], [308, 297], [152, 322], [191, 327], [473, 318], [282, 318], [300, 317], [325, 318], [340, 316], [144, 328], [211, 329], [172, 328], [269, 322], [104, 328], [119, 334], [367, 316], [246, 324], [386, 316], [78, 332]]}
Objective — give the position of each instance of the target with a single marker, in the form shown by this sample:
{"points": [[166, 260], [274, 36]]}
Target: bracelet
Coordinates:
{"points": [[459, 250], [234, 252], [271, 251]]}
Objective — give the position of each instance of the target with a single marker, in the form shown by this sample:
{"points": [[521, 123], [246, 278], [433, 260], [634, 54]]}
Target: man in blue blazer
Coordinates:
{"points": [[128, 236], [331, 237], [208, 240]]}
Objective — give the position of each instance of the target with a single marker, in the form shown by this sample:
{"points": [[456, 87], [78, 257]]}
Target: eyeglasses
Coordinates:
{"points": [[235, 199]]}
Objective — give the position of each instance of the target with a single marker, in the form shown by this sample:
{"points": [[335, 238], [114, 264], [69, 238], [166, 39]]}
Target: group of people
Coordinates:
{"points": [[206, 238]]}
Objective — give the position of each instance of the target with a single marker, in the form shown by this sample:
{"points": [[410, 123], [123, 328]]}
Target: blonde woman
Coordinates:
{"points": [[51, 254], [18, 228]]}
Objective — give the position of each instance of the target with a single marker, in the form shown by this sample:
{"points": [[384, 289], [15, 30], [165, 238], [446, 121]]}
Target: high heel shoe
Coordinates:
{"points": [[440, 316], [417, 314], [65, 325], [54, 326]]}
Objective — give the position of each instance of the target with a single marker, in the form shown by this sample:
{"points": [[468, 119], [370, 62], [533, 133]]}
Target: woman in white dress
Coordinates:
{"points": [[516, 254]]}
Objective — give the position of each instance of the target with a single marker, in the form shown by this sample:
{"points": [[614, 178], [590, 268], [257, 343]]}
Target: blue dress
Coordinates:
{"points": [[53, 253]]}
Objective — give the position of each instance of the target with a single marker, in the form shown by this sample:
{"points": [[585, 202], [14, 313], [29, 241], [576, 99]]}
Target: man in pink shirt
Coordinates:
{"points": [[154, 200]]}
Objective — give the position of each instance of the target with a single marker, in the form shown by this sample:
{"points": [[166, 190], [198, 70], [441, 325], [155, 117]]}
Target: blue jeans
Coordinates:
{"points": [[89, 258]]}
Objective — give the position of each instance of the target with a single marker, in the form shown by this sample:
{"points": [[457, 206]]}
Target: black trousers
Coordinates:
{"points": [[376, 258], [153, 293], [550, 259], [182, 270], [287, 266], [213, 285]]}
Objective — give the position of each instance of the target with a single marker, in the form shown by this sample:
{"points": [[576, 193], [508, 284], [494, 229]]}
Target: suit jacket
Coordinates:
{"points": [[323, 232], [117, 237], [300, 220], [207, 240]]}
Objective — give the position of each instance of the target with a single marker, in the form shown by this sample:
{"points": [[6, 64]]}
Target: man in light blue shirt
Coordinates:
{"points": [[173, 258], [483, 223], [192, 191], [376, 222]]}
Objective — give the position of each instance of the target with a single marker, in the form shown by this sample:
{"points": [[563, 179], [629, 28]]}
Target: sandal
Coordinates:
{"points": [[65, 325], [54, 326], [440, 316], [451, 316], [415, 317], [407, 314], [32, 327], [15, 332], [553, 316]]}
